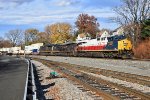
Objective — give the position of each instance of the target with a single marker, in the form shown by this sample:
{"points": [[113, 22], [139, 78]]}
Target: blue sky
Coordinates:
{"points": [[24, 14]]}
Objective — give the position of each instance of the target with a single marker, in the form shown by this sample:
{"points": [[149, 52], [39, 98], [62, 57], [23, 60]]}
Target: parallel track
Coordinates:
{"points": [[107, 90]]}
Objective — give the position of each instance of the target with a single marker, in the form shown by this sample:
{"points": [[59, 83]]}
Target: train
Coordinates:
{"points": [[116, 46]]}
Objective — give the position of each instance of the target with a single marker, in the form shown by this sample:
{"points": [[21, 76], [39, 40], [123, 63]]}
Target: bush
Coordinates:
{"points": [[142, 50]]}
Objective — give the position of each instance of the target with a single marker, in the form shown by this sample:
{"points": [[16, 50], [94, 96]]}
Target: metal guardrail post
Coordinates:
{"points": [[33, 82], [30, 87], [26, 85]]}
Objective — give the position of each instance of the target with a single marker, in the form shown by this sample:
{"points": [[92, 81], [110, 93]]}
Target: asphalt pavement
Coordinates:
{"points": [[13, 72]]}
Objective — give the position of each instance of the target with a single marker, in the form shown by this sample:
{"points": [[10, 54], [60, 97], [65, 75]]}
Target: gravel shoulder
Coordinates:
{"points": [[59, 88], [127, 66]]}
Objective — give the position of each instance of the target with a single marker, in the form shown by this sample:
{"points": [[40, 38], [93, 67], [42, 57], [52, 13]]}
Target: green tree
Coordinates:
{"points": [[146, 29]]}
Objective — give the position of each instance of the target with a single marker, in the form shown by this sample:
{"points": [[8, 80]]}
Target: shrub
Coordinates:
{"points": [[142, 50]]}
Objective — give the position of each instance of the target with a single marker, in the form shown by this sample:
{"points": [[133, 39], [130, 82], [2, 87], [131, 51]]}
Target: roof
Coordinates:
{"points": [[102, 31], [82, 35]]}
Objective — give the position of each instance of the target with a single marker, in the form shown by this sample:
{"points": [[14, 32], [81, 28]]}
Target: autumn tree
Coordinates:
{"points": [[15, 36], [131, 14], [1, 42], [48, 32], [59, 32], [87, 24], [4, 43], [43, 37], [31, 36]]}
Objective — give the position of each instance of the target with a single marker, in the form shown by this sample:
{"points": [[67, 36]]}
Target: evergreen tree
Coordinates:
{"points": [[146, 29]]}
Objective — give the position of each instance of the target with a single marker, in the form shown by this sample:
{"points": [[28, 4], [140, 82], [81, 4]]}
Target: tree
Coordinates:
{"points": [[5, 43], [1, 39], [43, 37], [87, 24], [48, 32], [146, 29], [59, 32], [131, 14], [31, 36], [15, 37]]}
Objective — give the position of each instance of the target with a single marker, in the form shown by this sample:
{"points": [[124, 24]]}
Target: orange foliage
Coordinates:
{"points": [[143, 50]]}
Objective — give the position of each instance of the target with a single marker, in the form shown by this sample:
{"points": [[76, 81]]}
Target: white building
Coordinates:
{"points": [[118, 31], [29, 49], [15, 50], [4, 50]]}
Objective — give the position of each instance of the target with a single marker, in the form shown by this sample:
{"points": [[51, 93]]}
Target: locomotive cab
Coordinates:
{"points": [[112, 43], [124, 44], [119, 43]]}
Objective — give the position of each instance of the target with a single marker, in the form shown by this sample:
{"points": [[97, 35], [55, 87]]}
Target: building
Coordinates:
{"points": [[12, 50], [82, 37], [33, 48], [15, 50], [103, 33], [118, 31]]}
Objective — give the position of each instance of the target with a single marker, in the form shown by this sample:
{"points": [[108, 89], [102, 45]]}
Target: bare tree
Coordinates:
{"points": [[15, 36], [131, 15], [31, 36]]}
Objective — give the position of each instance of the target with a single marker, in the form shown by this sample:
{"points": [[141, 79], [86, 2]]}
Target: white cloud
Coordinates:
{"points": [[100, 12], [67, 2], [34, 17], [15, 1], [39, 12], [6, 4]]}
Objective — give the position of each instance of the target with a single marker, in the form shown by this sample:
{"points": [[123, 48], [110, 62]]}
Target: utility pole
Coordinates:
{"points": [[24, 45]]}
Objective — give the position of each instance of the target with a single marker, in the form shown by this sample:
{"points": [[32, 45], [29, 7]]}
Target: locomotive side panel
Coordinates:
{"points": [[124, 44]]}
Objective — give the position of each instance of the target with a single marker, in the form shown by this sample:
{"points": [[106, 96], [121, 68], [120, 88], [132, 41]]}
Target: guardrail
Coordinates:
{"points": [[30, 87]]}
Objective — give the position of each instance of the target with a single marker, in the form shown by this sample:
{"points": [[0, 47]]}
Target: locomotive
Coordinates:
{"points": [[117, 46]]}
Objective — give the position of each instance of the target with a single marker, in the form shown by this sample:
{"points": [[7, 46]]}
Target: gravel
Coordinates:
{"points": [[60, 88], [128, 66]]}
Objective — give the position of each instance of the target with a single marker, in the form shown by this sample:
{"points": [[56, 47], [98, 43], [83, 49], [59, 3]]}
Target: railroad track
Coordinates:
{"points": [[106, 89], [143, 80]]}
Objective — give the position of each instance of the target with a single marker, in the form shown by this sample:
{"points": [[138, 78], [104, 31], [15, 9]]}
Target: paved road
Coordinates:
{"points": [[13, 72]]}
